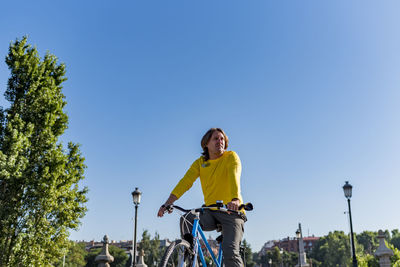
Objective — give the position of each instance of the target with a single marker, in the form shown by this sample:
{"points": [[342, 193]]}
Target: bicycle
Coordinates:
{"points": [[184, 253]]}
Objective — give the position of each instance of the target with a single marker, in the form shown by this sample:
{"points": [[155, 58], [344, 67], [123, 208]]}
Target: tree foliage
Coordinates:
{"points": [[151, 248], [395, 239], [332, 250], [277, 258], [369, 241], [39, 195], [74, 256], [395, 259], [367, 260], [248, 255]]}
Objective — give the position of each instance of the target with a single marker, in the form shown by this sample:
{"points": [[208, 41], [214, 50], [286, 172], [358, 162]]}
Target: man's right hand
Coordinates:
{"points": [[161, 211], [172, 198]]}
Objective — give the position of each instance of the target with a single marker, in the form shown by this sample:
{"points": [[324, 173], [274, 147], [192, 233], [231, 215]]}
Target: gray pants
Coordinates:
{"points": [[232, 231]]}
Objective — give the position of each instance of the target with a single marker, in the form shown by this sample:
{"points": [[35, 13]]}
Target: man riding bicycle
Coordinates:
{"points": [[219, 171]]}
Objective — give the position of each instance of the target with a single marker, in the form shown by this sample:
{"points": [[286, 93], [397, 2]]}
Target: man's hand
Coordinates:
{"points": [[172, 198], [234, 204], [161, 211]]}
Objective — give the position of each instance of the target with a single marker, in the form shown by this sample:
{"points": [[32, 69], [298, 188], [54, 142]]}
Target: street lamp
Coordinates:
{"points": [[270, 262], [136, 195], [347, 188], [298, 235], [302, 254]]}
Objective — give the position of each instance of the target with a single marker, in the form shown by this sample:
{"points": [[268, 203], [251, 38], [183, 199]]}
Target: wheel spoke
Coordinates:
{"points": [[178, 254]]}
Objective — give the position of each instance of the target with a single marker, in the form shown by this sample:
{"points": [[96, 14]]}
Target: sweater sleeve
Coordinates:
{"points": [[234, 172], [187, 181]]}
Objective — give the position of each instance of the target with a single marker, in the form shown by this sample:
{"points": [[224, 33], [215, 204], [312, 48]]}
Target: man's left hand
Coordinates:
{"points": [[234, 204]]}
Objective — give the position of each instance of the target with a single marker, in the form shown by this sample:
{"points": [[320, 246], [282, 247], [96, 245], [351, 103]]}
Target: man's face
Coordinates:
{"points": [[216, 145]]}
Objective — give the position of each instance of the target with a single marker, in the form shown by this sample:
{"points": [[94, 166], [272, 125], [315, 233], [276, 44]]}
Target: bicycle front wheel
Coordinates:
{"points": [[178, 254]]}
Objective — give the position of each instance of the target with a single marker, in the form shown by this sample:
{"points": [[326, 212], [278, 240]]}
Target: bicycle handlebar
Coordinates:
{"points": [[218, 205]]}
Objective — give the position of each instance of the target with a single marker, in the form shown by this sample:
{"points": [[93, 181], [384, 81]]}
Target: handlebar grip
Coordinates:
{"points": [[248, 206]]}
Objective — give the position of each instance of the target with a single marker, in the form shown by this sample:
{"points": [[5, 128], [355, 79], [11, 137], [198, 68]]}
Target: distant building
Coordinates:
{"points": [[289, 244], [269, 245], [309, 243]]}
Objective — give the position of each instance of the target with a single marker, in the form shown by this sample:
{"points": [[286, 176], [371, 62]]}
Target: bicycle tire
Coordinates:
{"points": [[176, 252]]}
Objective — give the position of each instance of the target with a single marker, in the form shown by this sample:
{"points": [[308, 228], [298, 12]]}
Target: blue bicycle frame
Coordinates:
{"points": [[197, 233], [197, 247]]}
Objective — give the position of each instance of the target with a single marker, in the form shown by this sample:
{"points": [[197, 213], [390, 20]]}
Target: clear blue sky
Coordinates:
{"points": [[307, 91]]}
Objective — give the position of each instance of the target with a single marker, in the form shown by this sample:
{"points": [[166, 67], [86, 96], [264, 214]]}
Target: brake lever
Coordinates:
{"points": [[169, 208]]}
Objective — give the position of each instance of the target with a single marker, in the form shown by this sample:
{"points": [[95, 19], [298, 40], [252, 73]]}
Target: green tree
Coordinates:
{"points": [[256, 257], [39, 195], [395, 232], [276, 256], [75, 256], [247, 253], [293, 258], [395, 259], [395, 240], [119, 254], [151, 248], [284, 257], [369, 241], [367, 260], [332, 250]]}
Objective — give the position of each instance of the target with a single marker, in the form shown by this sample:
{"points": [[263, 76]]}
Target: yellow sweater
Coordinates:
{"points": [[220, 178]]}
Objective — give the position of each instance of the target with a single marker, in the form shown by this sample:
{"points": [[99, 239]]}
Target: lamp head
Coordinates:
{"points": [[136, 195], [298, 233], [347, 188]]}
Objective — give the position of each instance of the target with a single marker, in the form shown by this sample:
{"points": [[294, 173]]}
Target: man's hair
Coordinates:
{"points": [[206, 138]]}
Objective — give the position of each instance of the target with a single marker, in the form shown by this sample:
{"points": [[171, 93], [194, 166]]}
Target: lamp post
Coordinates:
{"points": [[347, 188], [302, 254], [298, 235], [136, 195]]}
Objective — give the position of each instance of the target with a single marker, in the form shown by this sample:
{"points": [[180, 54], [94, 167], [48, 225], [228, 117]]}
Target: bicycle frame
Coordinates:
{"points": [[198, 233], [197, 247]]}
